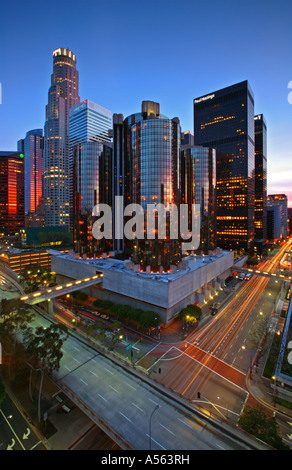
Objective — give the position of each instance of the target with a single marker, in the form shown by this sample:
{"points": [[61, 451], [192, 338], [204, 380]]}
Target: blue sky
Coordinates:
{"points": [[166, 51]]}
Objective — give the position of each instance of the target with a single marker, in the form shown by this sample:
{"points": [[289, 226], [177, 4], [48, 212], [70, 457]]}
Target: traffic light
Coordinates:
{"points": [[159, 370], [199, 395]]}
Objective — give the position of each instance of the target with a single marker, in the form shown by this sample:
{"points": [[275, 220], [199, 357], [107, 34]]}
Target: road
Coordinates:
{"points": [[200, 364], [210, 368], [16, 432], [124, 402]]}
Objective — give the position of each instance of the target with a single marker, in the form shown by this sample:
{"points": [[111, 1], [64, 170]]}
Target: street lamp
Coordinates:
{"points": [[8, 417], [220, 398], [156, 408]]}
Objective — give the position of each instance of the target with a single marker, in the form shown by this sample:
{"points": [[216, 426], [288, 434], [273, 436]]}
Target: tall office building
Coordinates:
{"points": [[92, 184], [260, 138], [281, 201], [63, 95], [32, 147], [224, 120], [147, 159], [88, 122], [198, 186], [11, 191], [90, 162]]}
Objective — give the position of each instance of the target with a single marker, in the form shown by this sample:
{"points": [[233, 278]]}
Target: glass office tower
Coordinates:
{"points": [[147, 159], [12, 192], [63, 95], [260, 179], [92, 184], [281, 201], [32, 146], [88, 122], [198, 186], [224, 120]]}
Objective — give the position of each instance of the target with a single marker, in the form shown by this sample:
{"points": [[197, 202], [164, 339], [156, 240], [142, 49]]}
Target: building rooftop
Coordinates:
{"points": [[188, 264]]}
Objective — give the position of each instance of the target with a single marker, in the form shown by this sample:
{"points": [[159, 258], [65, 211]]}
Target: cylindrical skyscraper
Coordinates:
{"points": [[63, 95]]}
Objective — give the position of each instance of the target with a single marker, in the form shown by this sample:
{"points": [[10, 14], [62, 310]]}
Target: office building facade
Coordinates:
{"points": [[198, 173], [88, 122], [224, 120], [90, 163], [147, 159], [63, 95], [11, 192], [32, 146], [260, 178], [281, 201], [92, 185]]}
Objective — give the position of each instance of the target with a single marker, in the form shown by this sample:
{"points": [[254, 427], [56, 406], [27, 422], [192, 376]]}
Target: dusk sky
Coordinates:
{"points": [[163, 50]]}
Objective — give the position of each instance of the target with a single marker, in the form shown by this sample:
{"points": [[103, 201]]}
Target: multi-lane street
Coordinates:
{"points": [[208, 370], [16, 432], [211, 366]]}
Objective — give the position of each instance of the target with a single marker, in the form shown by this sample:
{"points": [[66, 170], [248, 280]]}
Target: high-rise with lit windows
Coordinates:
{"points": [[260, 214], [198, 186], [63, 95], [146, 170], [281, 201], [224, 120], [12, 191], [90, 162], [32, 147]]}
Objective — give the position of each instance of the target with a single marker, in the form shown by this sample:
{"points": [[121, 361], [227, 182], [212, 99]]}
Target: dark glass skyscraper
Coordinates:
{"points": [[92, 184], [63, 95], [224, 120], [281, 201], [260, 178], [198, 186]]}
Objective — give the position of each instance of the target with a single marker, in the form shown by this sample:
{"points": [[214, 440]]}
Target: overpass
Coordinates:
{"points": [[62, 289], [257, 272]]}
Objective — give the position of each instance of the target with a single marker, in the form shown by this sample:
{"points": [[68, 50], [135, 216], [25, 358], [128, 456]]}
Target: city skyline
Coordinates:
{"points": [[184, 58]]}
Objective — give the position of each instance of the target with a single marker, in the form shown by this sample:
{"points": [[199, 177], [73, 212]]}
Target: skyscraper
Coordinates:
{"points": [[224, 120], [32, 147], [198, 186], [147, 160], [90, 170], [281, 201], [11, 191], [260, 178], [63, 95]]}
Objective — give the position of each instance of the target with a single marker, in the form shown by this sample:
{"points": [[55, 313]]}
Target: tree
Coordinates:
{"points": [[257, 422], [35, 276], [44, 348], [16, 318], [191, 313]]}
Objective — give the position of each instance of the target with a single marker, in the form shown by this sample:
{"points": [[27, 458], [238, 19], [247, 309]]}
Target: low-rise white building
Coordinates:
{"points": [[195, 280]]}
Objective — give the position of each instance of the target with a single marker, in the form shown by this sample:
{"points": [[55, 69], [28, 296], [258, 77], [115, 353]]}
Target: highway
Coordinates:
{"points": [[203, 364], [211, 366], [124, 402]]}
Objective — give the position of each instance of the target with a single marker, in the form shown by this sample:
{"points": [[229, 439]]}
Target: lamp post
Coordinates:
{"points": [[220, 398], [156, 408], [8, 417]]}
